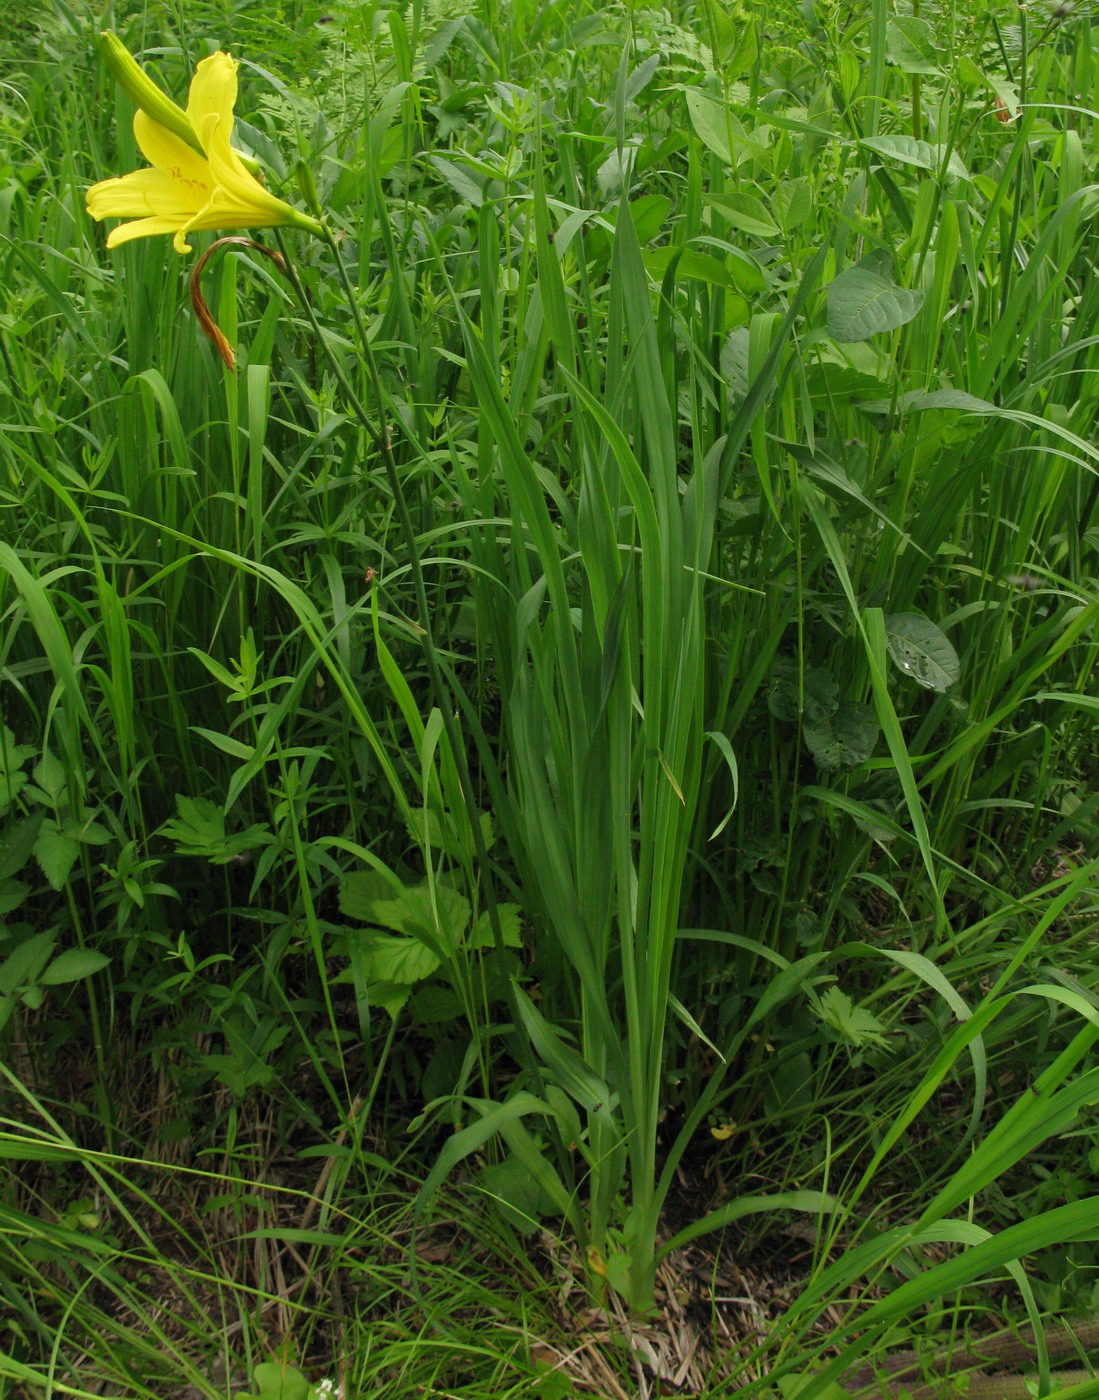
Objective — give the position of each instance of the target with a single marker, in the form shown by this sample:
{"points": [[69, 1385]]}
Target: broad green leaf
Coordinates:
{"points": [[401, 960], [439, 925], [917, 400], [56, 850], [390, 996], [465, 185], [710, 121], [23, 967], [843, 739], [433, 1004], [792, 203], [278, 1381], [746, 213], [922, 651], [863, 302], [12, 895], [509, 927], [910, 43], [72, 965], [699, 266], [517, 1193], [49, 777], [360, 891], [922, 154], [649, 215]]}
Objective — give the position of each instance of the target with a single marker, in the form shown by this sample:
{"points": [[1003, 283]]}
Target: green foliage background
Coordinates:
{"points": [[739, 372]]}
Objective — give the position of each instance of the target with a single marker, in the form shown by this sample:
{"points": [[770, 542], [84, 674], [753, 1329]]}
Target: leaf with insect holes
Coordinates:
{"points": [[843, 739], [922, 651]]}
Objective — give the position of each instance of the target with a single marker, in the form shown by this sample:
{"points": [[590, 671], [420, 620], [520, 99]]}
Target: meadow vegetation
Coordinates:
{"points": [[549, 819]]}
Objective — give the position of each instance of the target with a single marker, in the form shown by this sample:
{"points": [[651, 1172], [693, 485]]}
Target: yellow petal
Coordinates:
{"points": [[213, 93], [146, 228], [237, 188], [164, 150], [143, 192]]}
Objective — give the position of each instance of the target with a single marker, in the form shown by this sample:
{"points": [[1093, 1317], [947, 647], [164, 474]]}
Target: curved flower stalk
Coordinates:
{"points": [[185, 189]]}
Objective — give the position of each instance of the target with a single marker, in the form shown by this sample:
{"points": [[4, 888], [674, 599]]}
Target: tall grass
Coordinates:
{"points": [[737, 396]]}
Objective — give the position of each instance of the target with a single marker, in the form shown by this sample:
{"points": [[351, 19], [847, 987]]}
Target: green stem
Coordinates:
{"points": [[381, 445]]}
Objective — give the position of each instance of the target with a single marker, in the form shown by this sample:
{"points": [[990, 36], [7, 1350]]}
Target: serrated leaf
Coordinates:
{"points": [[12, 895], [199, 830], [844, 739], [360, 890], [17, 840], [862, 303], [404, 961], [922, 651], [853, 1023], [199, 827], [49, 776], [440, 926], [72, 965], [509, 927], [426, 827], [24, 965], [12, 757], [55, 851], [389, 997], [90, 833], [431, 1005]]}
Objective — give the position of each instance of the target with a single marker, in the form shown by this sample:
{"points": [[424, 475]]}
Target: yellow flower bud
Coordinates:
{"points": [[143, 92]]}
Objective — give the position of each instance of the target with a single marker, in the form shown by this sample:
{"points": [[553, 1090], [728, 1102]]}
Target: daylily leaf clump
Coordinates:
{"points": [[195, 179]]}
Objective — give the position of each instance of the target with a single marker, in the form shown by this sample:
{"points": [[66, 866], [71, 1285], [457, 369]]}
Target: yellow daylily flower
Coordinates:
{"points": [[183, 191]]}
